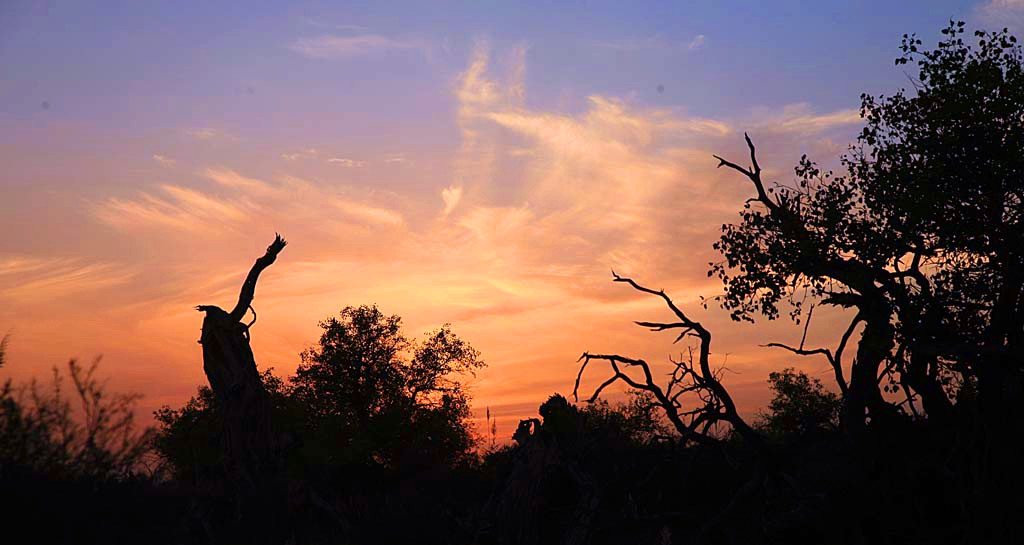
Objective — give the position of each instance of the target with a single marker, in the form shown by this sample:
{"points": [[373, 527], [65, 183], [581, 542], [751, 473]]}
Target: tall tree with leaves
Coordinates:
{"points": [[372, 394], [921, 236]]}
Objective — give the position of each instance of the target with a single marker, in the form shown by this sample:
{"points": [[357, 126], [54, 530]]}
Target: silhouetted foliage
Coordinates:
{"points": [[801, 407], [188, 439], [372, 394], [363, 393], [90, 434], [921, 236], [638, 419], [75, 467], [920, 239]]}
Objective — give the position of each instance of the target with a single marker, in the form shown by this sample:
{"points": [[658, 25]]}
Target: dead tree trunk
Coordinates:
{"points": [[252, 453]]}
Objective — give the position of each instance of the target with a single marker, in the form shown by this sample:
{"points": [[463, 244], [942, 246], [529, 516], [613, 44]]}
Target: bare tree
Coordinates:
{"points": [[691, 379], [253, 457]]}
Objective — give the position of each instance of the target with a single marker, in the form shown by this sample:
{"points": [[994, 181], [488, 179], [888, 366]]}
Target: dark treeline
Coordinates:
{"points": [[918, 237]]}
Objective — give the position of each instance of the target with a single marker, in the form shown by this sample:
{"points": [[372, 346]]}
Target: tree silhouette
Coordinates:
{"points": [[371, 394], [189, 439], [921, 236], [691, 381], [253, 455], [801, 407]]}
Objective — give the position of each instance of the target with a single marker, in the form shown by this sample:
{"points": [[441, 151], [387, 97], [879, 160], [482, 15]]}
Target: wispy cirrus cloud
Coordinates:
{"points": [[512, 240], [209, 134], [545, 202], [345, 162], [231, 179], [801, 118], [366, 213], [317, 22], [308, 153], [174, 207], [164, 160], [342, 47], [33, 279], [202, 134], [236, 203]]}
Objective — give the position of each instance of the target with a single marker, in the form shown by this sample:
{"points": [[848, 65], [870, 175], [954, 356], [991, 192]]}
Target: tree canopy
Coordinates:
{"points": [[372, 393], [920, 236]]}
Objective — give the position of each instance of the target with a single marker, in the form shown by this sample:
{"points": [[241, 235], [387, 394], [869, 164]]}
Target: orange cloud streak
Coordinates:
{"points": [[514, 248]]}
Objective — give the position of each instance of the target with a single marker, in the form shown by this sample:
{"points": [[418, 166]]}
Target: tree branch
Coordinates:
{"points": [[245, 297], [687, 377], [753, 174]]}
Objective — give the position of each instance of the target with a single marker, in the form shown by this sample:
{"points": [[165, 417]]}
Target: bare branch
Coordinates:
{"points": [[834, 359], [687, 322], [753, 174], [245, 297], [801, 352], [753, 156], [694, 377], [807, 325]]}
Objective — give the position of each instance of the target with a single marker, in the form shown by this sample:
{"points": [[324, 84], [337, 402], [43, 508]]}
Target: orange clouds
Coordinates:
{"points": [[535, 208]]}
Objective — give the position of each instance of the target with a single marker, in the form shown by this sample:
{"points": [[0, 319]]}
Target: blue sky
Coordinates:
{"points": [[149, 64]]}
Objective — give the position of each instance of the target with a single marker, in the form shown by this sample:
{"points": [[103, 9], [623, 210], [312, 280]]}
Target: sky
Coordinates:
{"points": [[475, 163]]}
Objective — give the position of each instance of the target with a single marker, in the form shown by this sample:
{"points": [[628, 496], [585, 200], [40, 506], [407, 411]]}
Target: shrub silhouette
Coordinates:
{"points": [[90, 434], [74, 465], [801, 407]]}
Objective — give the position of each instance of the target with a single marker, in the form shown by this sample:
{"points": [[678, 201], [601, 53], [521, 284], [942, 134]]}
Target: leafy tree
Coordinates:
{"points": [[801, 407], [372, 394], [364, 393], [920, 236]]}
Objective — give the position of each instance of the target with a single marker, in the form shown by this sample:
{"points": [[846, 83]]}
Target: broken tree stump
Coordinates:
{"points": [[253, 457]]}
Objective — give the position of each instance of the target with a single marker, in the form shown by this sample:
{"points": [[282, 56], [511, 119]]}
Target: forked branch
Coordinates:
{"points": [[691, 376], [834, 359], [753, 174]]}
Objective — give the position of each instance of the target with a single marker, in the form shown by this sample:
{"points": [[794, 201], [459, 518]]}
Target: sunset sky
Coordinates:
{"points": [[476, 163]]}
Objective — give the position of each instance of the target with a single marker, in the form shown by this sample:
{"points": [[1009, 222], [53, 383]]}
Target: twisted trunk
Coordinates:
{"points": [[252, 453]]}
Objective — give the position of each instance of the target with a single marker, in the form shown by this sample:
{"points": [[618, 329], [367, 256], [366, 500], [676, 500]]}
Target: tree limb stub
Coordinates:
{"points": [[249, 286], [252, 452]]}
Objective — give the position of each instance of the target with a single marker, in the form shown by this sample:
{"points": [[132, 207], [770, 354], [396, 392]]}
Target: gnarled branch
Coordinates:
{"points": [[689, 376]]}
